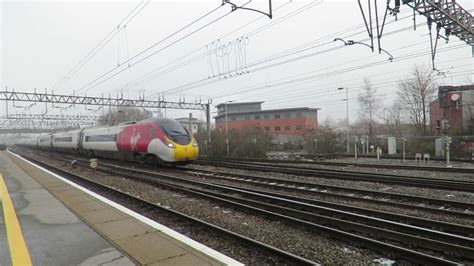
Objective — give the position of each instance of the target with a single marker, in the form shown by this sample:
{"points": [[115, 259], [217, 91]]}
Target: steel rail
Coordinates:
{"points": [[435, 245], [273, 251], [300, 186], [348, 175], [323, 189], [356, 164], [447, 247]]}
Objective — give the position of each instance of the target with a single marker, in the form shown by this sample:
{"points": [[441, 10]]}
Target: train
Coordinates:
{"points": [[153, 141]]}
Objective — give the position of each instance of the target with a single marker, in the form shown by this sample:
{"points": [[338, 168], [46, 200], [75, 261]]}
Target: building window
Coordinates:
{"points": [[277, 115], [257, 117], [233, 118], [266, 129], [298, 114], [287, 127], [299, 127], [266, 116], [277, 128], [287, 115]]}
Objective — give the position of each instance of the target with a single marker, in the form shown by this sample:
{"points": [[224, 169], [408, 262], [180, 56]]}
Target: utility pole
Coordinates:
{"points": [[448, 141], [226, 129], [347, 117]]}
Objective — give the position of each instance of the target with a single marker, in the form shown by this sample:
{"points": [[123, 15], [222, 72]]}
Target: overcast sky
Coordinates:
{"points": [[290, 60]]}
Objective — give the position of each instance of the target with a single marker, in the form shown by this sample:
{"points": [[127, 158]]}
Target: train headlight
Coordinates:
{"points": [[170, 145]]}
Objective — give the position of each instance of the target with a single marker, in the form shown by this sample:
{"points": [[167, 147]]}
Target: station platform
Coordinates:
{"points": [[48, 220]]}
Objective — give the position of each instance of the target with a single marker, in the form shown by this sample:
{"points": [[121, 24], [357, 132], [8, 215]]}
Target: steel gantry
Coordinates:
{"points": [[443, 14], [446, 14], [35, 97], [62, 117]]}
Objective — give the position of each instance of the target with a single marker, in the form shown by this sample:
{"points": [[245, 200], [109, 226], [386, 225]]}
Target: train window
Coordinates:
{"points": [[176, 132], [64, 139], [101, 138]]}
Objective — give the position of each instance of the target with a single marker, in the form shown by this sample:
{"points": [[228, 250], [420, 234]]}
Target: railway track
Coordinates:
{"points": [[424, 182], [309, 214], [438, 206], [355, 164], [243, 240]]}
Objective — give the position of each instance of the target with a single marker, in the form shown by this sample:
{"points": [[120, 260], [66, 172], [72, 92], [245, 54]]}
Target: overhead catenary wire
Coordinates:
{"points": [[127, 19], [88, 85], [203, 55], [336, 72], [142, 79]]}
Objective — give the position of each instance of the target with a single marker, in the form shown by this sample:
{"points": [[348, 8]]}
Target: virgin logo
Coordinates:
{"points": [[134, 139]]}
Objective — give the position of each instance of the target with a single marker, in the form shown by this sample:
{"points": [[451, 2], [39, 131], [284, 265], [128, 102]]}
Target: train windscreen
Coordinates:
{"points": [[176, 132]]}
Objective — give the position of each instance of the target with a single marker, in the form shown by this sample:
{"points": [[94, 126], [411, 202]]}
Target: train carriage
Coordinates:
{"points": [[156, 140]]}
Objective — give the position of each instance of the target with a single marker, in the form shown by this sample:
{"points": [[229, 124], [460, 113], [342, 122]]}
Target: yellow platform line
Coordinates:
{"points": [[18, 250]]}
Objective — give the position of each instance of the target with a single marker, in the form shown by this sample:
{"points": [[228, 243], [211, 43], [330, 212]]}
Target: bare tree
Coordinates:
{"points": [[395, 118], [124, 114], [368, 105], [415, 93]]}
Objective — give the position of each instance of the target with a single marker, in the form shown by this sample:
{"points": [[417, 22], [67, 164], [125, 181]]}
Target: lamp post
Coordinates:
{"points": [[226, 128], [347, 117]]}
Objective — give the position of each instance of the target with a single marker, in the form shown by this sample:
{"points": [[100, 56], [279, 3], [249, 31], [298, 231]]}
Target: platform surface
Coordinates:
{"points": [[62, 225]]}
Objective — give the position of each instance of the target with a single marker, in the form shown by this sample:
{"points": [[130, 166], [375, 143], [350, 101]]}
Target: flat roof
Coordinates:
{"points": [[271, 111], [242, 103]]}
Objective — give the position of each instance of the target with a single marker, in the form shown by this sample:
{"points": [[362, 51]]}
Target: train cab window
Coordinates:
{"points": [[176, 132]]}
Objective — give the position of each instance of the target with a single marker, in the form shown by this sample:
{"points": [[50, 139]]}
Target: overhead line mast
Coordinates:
{"points": [[445, 14]]}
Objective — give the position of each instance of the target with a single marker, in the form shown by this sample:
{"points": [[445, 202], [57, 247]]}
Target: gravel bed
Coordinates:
{"points": [[414, 191], [309, 194], [403, 172], [311, 245]]}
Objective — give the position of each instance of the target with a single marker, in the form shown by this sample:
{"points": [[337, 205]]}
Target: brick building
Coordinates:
{"points": [[284, 124], [453, 110]]}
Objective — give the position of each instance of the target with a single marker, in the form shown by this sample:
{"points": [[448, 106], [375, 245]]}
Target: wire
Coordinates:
{"points": [[259, 29], [99, 46], [83, 88]]}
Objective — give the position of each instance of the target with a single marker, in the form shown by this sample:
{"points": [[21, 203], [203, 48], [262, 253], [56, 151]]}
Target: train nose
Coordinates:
{"points": [[185, 152]]}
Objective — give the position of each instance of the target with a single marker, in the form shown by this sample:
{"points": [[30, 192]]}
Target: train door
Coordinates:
{"points": [[80, 141]]}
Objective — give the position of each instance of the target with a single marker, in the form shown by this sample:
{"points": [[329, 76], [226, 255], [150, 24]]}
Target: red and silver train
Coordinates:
{"points": [[157, 140]]}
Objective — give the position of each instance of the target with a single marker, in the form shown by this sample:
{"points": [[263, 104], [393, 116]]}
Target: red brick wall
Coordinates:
{"points": [[305, 122], [452, 113]]}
